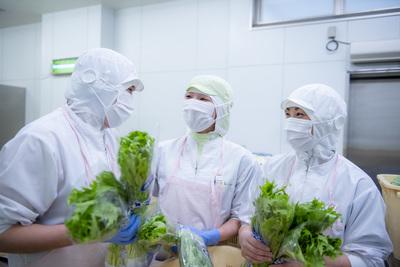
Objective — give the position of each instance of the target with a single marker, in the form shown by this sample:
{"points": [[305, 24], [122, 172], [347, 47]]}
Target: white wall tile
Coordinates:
{"points": [[93, 19], [307, 43], [223, 73], [46, 96], [38, 51], [255, 119], [107, 27], [169, 36], [20, 48], [60, 85], [252, 47], [128, 34], [330, 73], [52, 93], [70, 33], [161, 103], [374, 29], [213, 31], [47, 40]]}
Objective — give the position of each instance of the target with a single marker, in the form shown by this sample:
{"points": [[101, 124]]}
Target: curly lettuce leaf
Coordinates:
{"points": [[294, 231], [134, 158], [98, 209], [273, 216], [316, 216]]}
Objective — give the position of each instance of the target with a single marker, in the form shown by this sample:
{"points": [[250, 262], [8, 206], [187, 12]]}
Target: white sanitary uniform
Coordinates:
{"points": [[38, 170], [203, 192], [202, 179], [324, 174], [63, 150]]}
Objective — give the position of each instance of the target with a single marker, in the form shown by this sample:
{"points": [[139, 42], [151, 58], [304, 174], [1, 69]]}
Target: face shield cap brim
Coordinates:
{"points": [[290, 102], [135, 81]]}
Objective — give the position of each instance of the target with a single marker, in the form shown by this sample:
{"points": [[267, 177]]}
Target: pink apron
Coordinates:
{"points": [[193, 202]]}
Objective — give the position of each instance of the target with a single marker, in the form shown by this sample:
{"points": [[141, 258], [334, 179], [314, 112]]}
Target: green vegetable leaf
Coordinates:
{"points": [[134, 158], [98, 209], [294, 231]]}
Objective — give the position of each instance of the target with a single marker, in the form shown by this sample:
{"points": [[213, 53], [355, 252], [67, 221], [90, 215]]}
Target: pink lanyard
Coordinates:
{"points": [[88, 170], [219, 170], [326, 187]]}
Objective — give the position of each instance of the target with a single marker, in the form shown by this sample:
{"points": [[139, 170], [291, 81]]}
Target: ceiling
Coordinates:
{"points": [[19, 12]]}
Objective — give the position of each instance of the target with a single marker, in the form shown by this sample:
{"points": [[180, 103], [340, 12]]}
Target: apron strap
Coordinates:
{"points": [[88, 170], [110, 155]]}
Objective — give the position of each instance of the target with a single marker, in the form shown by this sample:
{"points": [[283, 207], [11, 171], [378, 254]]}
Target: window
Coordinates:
{"points": [[276, 12], [355, 6]]}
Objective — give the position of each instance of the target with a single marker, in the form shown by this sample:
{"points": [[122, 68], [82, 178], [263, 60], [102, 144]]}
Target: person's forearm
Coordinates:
{"points": [[229, 229], [341, 261], [243, 229], [34, 238]]}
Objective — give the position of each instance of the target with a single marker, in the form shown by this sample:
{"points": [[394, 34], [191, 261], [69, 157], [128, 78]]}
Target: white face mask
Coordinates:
{"points": [[198, 114], [120, 111], [299, 134]]}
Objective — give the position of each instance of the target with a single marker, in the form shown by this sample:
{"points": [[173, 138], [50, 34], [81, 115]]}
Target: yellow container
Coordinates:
{"points": [[391, 195]]}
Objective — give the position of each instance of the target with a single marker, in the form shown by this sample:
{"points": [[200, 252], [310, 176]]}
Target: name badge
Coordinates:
{"points": [[219, 180]]}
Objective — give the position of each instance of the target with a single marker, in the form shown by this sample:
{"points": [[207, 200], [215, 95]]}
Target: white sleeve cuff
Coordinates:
{"points": [[356, 261]]}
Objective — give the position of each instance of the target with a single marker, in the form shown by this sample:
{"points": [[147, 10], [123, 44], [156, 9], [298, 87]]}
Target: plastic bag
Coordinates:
{"points": [[153, 233], [192, 250]]}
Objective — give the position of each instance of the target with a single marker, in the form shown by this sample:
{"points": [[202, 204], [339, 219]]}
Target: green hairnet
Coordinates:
{"points": [[221, 93], [212, 86]]}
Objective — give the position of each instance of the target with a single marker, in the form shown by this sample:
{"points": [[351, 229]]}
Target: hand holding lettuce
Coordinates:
{"points": [[108, 204], [294, 231]]}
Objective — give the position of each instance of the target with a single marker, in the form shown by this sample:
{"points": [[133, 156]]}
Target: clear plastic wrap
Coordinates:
{"points": [[116, 256], [153, 233], [192, 250]]}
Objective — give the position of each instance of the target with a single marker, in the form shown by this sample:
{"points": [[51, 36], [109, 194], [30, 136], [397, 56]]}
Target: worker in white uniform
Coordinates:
{"points": [[315, 115], [62, 150], [202, 178]]}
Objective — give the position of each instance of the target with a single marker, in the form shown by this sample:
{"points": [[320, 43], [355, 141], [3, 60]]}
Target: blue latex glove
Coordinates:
{"points": [[127, 233], [174, 249], [210, 237]]}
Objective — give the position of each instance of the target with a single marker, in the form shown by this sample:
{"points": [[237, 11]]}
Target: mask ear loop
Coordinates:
{"points": [[335, 123], [217, 105]]}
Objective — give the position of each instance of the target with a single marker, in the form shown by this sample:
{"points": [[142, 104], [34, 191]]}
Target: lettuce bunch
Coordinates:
{"points": [[274, 215], [134, 158], [294, 231], [106, 204], [99, 209]]}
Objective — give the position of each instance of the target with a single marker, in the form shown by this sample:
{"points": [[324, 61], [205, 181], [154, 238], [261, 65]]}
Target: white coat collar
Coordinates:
{"points": [[83, 127]]}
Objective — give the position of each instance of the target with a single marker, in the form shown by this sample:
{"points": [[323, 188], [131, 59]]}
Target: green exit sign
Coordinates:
{"points": [[63, 66]]}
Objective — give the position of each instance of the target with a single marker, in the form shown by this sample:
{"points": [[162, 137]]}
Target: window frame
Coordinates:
{"points": [[338, 15]]}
